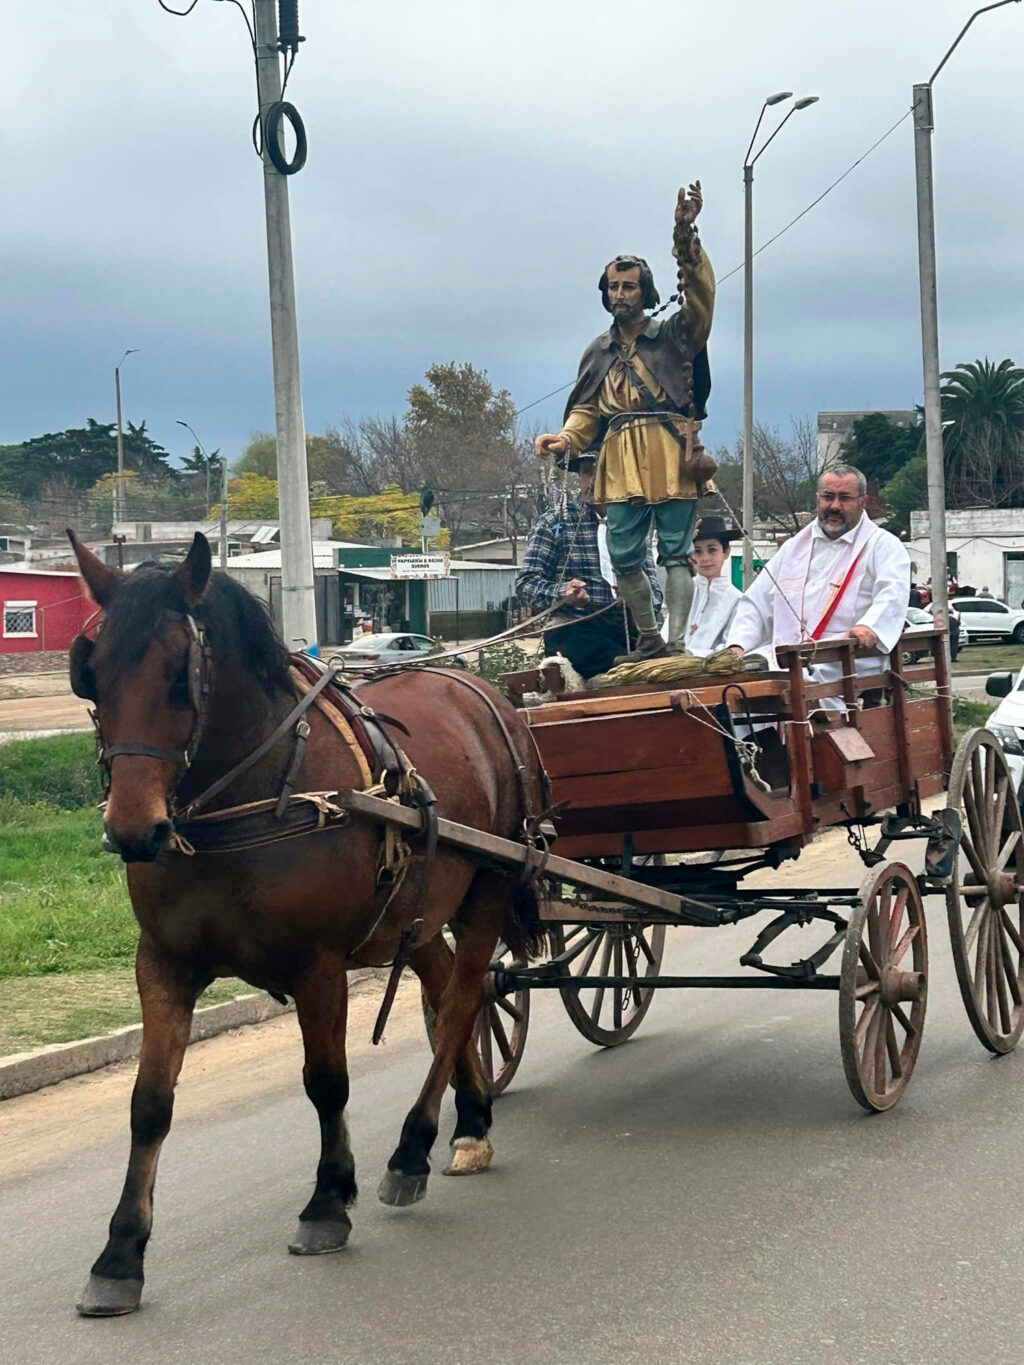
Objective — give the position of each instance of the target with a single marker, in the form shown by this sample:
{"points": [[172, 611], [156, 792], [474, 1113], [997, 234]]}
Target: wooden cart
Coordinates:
{"points": [[668, 798]]}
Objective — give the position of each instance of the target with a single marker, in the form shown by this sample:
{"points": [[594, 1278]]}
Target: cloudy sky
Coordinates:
{"points": [[472, 166]]}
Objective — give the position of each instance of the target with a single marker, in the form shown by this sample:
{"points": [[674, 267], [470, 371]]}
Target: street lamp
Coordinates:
{"points": [[119, 498], [748, 317], [223, 492], [923, 125]]}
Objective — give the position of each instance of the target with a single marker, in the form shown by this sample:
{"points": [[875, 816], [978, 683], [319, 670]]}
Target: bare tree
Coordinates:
{"points": [[989, 469]]}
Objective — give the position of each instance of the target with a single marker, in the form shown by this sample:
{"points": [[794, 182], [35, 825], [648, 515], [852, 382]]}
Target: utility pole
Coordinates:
{"points": [[119, 494], [930, 352], [748, 376], [924, 124], [298, 604], [223, 513]]}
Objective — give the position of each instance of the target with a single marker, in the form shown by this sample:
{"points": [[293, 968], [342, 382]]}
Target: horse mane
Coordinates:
{"points": [[236, 622]]}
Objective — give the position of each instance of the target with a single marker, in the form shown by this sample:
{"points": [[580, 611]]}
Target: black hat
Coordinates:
{"points": [[580, 462], [714, 528]]}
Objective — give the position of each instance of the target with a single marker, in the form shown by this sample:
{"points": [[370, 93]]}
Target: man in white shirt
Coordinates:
{"points": [[840, 576]]}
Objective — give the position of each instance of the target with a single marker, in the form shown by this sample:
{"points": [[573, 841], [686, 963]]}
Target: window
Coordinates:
{"points": [[19, 618], [967, 605]]}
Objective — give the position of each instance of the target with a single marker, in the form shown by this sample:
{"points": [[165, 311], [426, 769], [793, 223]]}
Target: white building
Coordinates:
{"points": [[984, 548]]}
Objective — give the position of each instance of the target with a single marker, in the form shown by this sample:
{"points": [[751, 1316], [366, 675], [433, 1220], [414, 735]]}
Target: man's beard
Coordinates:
{"points": [[833, 530]]}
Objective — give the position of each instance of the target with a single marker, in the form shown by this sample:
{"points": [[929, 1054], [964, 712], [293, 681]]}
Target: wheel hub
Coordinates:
{"points": [[898, 987]]}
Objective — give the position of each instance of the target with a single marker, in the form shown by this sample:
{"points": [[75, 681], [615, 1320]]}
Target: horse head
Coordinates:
{"points": [[143, 674]]}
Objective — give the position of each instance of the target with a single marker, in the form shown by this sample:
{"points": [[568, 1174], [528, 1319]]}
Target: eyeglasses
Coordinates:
{"points": [[847, 499]]}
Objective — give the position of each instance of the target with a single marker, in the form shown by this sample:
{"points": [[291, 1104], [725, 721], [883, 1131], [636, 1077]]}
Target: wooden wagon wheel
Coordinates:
{"points": [[609, 1015], [984, 899], [500, 1029], [883, 987]]}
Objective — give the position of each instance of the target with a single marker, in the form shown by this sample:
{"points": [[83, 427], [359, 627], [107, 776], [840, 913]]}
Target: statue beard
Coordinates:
{"points": [[627, 312]]}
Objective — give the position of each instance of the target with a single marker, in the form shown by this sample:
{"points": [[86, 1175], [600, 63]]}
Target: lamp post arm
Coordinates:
{"points": [[984, 10], [753, 136], [789, 114]]}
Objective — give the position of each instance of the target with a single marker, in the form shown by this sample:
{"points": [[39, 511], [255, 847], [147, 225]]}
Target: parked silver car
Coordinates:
{"points": [[1007, 721], [389, 647]]}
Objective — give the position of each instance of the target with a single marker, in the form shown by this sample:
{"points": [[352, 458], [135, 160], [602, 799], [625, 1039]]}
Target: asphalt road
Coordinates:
{"points": [[707, 1193]]}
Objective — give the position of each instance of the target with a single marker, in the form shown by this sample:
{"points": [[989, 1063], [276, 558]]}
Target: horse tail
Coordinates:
{"points": [[523, 930]]}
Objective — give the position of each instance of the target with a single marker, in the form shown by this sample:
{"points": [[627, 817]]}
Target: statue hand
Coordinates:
{"points": [[687, 208], [547, 445]]}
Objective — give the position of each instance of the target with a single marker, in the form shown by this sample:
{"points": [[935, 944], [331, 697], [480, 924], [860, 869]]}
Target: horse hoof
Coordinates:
{"points": [[470, 1156], [399, 1190], [105, 1298], [320, 1237]]}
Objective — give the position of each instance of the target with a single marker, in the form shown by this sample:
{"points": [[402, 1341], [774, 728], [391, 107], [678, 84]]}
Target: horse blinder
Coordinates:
{"points": [[83, 680]]}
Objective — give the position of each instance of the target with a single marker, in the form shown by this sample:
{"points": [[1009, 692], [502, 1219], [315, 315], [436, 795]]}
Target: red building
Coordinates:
{"points": [[41, 610]]}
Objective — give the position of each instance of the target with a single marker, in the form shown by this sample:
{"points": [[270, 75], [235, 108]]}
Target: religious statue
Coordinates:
{"points": [[638, 402]]}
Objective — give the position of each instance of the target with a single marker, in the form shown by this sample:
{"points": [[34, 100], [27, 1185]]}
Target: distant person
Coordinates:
{"points": [[567, 565], [915, 596]]}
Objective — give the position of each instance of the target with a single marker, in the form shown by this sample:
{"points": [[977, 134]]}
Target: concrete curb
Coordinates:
{"points": [[28, 1071]]}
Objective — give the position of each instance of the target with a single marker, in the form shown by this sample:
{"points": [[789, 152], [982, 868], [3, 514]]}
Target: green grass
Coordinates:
{"points": [[968, 714], [67, 932], [63, 902], [59, 771], [988, 658]]}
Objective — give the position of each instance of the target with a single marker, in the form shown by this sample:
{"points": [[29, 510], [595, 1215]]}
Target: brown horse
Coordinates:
{"points": [[291, 917]]}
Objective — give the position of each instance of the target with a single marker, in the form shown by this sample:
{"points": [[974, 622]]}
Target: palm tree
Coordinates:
{"points": [[983, 420]]}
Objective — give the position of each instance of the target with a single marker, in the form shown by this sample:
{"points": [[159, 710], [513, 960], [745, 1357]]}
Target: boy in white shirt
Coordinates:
{"points": [[714, 597]]}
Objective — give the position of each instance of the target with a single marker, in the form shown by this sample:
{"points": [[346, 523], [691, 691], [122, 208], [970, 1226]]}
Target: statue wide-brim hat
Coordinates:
{"points": [[709, 527]]}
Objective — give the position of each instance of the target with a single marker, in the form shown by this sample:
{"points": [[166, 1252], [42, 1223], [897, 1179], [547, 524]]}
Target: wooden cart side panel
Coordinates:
{"points": [[612, 744]]}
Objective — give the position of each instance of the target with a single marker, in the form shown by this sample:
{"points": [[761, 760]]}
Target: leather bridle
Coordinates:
{"points": [[200, 669]]}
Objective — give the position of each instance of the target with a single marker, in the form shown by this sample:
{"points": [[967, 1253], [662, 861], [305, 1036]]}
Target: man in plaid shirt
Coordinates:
{"points": [[563, 567]]}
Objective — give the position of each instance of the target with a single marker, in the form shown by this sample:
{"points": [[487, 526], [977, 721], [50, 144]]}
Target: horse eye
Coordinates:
{"points": [[179, 690]]}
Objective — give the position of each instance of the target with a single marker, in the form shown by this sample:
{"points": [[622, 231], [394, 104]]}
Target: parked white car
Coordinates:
{"points": [[1007, 721], [985, 616]]}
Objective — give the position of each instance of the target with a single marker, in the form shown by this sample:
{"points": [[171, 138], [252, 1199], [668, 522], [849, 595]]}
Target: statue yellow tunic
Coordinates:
{"points": [[640, 460]]}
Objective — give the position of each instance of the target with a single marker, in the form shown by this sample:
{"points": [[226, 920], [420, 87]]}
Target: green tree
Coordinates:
{"points": [[80, 456], [983, 432], [879, 448], [906, 492]]}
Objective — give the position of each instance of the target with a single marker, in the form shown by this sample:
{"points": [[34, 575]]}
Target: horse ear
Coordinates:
{"points": [[99, 578], [193, 574]]}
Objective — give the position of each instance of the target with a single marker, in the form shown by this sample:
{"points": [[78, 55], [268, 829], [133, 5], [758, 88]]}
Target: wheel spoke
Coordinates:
{"points": [[595, 943], [867, 989], [864, 1022], [971, 932], [606, 957], [1002, 786], [645, 947], [498, 1029], [991, 990], [904, 943], [974, 859], [982, 958], [976, 827], [876, 939], [630, 947], [870, 965], [898, 911], [1012, 840], [1013, 931], [879, 1052], [483, 1039], [990, 781], [513, 1011], [909, 1027], [999, 976], [617, 990], [1007, 959], [893, 1050]]}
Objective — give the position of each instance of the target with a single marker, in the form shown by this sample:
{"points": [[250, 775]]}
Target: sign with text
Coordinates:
{"points": [[420, 566]]}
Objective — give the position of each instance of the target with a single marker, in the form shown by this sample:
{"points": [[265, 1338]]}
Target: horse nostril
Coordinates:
{"points": [[147, 847]]}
